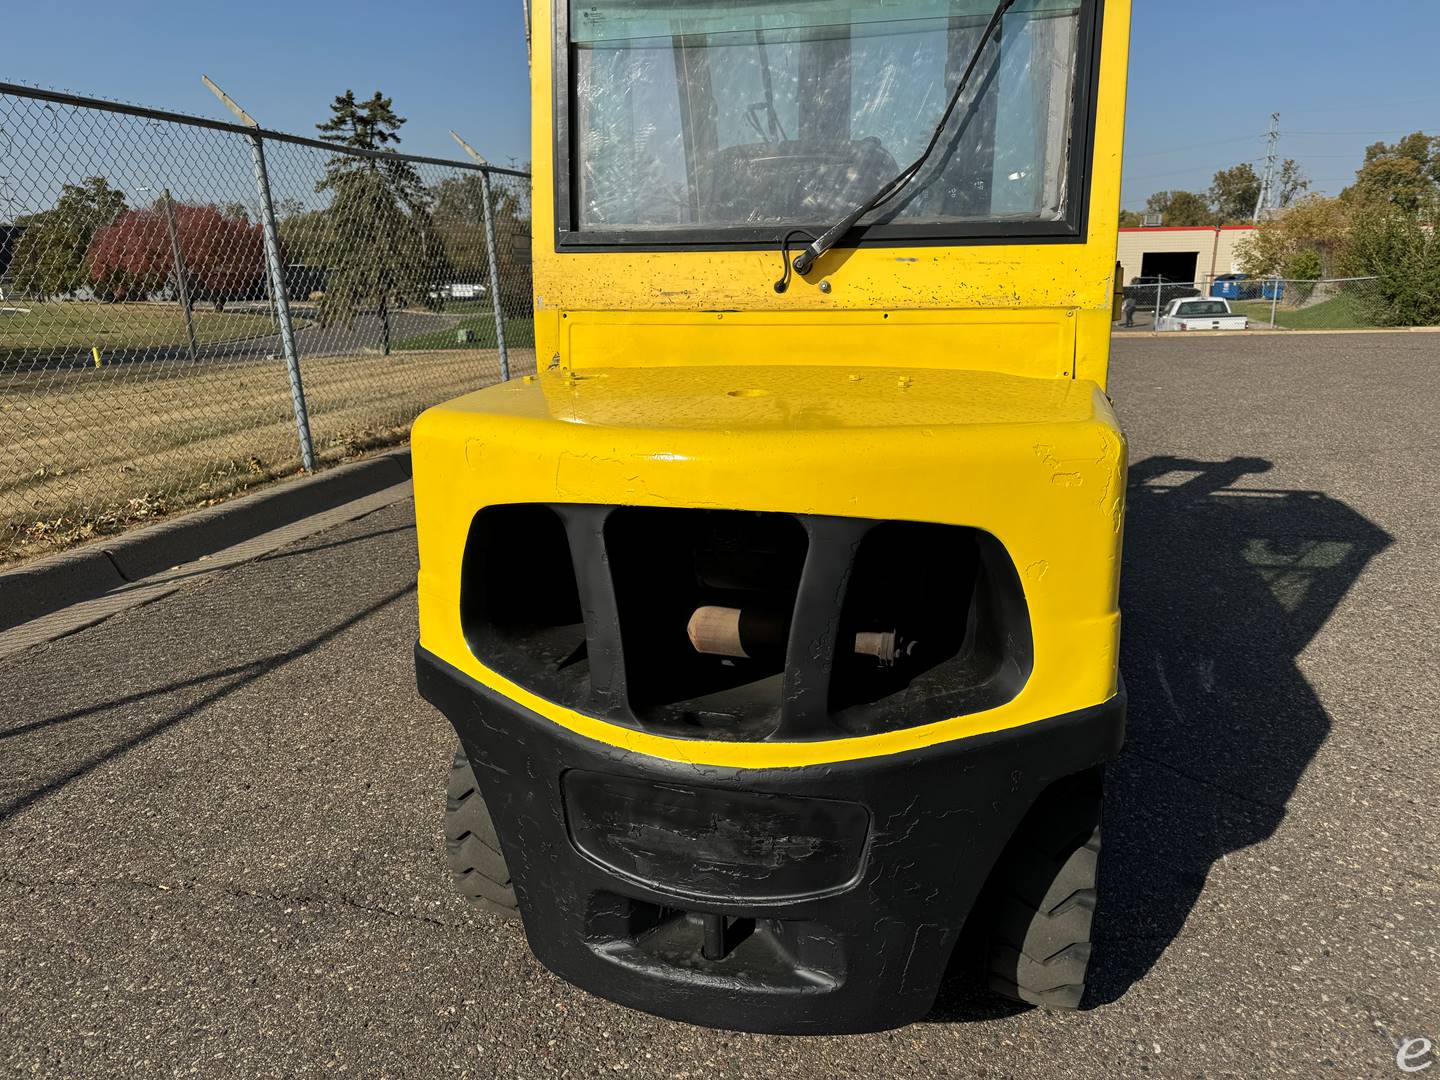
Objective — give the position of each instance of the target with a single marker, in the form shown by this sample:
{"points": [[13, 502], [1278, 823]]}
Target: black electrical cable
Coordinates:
{"points": [[784, 282], [830, 236]]}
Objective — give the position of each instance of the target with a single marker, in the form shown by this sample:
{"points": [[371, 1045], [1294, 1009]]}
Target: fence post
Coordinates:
{"points": [[1274, 300], [282, 305], [182, 287], [495, 302], [277, 276], [1159, 284]]}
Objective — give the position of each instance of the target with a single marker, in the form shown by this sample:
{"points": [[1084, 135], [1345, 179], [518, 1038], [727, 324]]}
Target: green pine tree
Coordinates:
{"points": [[387, 248], [460, 221]]}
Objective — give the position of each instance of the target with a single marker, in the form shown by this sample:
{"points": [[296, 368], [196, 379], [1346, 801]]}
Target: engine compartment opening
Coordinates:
{"points": [[691, 622], [943, 611], [668, 567], [520, 601]]}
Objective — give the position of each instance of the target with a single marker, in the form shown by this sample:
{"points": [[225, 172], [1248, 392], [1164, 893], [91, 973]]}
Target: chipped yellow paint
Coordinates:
{"points": [[956, 447], [959, 384]]}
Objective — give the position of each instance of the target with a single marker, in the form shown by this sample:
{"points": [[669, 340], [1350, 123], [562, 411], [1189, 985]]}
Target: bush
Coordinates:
{"points": [[1400, 250], [1303, 270], [1315, 225]]}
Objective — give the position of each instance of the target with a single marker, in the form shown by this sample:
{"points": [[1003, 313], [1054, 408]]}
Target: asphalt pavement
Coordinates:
{"points": [[220, 846]]}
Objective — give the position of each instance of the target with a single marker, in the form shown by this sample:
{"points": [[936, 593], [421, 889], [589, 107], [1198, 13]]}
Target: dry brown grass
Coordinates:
{"points": [[93, 451]]}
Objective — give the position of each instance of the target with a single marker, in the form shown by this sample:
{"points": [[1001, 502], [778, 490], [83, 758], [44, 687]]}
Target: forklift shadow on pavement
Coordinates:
{"points": [[1223, 588]]}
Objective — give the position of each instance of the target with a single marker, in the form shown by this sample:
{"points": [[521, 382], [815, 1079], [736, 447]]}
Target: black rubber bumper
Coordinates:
{"points": [[821, 899]]}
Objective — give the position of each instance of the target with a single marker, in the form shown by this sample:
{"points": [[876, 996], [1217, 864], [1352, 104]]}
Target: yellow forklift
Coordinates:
{"points": [[777, 612]]}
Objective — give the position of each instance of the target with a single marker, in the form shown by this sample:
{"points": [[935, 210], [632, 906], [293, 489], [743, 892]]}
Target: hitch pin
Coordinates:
{"points": [[714, 946]]}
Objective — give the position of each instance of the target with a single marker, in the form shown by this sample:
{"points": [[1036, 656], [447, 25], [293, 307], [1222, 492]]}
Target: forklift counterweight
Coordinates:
{"points": [[779, 628]]}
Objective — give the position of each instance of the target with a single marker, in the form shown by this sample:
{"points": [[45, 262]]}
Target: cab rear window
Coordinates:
{"points": [[769, 113], [1198, 308]]}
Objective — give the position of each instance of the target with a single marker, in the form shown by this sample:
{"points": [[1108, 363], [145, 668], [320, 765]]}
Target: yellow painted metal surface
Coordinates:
{"points": [[1039, 463], [957, 384], [1049, 284]]}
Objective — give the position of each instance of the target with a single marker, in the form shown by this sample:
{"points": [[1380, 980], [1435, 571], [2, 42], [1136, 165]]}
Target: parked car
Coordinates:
{"points": [[458, 290], [1143, 289], [1201, 314]]}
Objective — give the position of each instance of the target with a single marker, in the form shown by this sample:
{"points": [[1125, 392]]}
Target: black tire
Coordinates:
{"points": [[472, 847], [1044, 898]]}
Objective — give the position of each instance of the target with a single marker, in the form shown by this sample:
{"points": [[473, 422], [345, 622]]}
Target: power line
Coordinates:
{"points": [[1270, 179], [1178, 172], [1363, 107], [1196, 146], [1351, 134]]}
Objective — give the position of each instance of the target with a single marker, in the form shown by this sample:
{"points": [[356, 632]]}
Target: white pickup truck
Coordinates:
{"points": [[458, 290], [1195, 313]]}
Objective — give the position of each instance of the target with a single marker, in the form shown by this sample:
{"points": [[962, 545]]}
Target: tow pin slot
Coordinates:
{"points": [[747, 634], [722, 934]]}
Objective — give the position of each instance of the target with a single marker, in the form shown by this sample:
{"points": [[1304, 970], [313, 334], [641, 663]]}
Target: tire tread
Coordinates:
{"points": [[1039, 949], [472, 846]]}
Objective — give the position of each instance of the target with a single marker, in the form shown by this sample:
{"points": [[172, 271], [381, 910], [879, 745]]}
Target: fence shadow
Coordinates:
{"points": [[66, 756], [1223, 588]]}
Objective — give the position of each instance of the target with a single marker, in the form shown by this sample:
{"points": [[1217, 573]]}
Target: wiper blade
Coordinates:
{"points": [[891, 188]]}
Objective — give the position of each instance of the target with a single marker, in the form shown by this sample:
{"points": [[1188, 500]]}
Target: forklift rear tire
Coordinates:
{"points": [[472, 847], [1044, 890]]}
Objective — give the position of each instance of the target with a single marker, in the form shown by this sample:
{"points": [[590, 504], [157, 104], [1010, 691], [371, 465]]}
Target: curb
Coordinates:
{"points": [[87, 572], [1265, 331]]}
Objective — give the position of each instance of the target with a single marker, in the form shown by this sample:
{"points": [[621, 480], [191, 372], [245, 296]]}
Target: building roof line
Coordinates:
{"points": [[1184, 228]]}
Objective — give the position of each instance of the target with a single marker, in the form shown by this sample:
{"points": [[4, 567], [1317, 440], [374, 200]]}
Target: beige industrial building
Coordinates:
{"points": [[1180, 253]]}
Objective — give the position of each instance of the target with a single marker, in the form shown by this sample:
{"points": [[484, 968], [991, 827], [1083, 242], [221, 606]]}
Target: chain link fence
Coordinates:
{"points": [[1366, 303], [189, 308]]}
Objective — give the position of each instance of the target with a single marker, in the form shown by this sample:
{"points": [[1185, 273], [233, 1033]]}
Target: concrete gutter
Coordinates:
{"points": [[87, 573]]}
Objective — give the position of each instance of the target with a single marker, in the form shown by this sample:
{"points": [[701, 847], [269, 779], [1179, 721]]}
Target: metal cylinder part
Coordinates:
{"points": [[886, 646], [727, 631], [716, 630]]}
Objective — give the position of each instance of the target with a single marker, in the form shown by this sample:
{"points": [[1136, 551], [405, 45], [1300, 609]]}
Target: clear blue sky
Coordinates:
{"points": [[1341, 75], [1204, 76], [446, 63]]}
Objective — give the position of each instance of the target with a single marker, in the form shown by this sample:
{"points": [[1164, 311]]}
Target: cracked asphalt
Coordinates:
{"points": [[220, 847]]}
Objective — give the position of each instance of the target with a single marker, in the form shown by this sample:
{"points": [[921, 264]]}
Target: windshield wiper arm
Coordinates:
{"points": [[832, 235]]}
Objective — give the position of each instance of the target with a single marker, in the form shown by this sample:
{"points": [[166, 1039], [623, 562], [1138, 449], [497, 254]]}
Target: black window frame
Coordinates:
{"points": [[1070, 229]]}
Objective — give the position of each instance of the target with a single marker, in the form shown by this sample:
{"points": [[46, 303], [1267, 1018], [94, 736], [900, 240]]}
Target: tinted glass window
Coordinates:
{"points": [[1202, 307]]}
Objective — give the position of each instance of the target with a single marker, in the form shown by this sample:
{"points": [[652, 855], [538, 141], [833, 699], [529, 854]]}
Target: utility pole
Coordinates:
{"points": [[1267, 185]]}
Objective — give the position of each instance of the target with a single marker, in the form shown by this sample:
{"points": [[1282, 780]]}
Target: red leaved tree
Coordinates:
{"points": [[223, 256]]}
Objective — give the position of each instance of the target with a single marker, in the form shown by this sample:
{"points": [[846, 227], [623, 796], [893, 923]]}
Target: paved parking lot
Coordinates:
{"points": [[219, 814]]}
